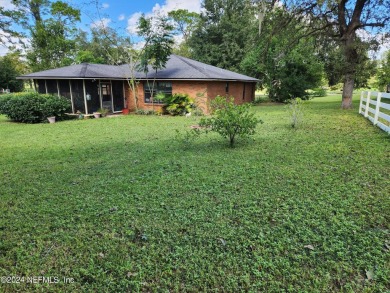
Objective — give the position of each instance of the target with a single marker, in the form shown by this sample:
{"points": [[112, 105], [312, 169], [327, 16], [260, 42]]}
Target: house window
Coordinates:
{"points": [[227, 87], [159, 87]]}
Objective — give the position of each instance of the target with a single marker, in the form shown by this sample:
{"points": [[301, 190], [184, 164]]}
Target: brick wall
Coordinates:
{"points": [[200, 91]]}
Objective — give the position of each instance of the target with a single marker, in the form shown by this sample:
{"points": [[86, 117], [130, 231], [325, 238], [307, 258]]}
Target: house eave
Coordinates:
{"points": [[138, 79]]}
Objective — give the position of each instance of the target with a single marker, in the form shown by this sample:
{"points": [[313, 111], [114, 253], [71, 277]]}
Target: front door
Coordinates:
{"points": [[105, 91]]}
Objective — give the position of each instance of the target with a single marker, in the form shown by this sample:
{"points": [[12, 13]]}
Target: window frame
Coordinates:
{"points": [[158, 88]]}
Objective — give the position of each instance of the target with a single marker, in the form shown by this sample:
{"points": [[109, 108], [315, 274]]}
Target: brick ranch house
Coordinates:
{"points": [[93, 86]]}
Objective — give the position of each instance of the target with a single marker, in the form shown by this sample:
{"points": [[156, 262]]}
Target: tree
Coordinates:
{"points": [[384, 73], [286, 67], [342, 20], [157, 34], [184, 22], [230, 120], [104, 46], [51, 36], [331, 54], [222, 34], [7, 33], [10, 68]]}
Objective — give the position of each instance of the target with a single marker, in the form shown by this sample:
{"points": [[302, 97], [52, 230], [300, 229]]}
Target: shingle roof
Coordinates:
{"points": [[177, 67]]}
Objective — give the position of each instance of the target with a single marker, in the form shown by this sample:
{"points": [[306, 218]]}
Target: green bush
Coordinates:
{"points": [[145, 112], [230, 120], [319, 92], [336, 87], [33, 107], [295, 109], [177, 104]]}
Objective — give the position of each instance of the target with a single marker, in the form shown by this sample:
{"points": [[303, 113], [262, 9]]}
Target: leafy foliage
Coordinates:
{"points": [[158, 37], [384, 73], [295, 109], [9, 70], [230, 120], [33, 107], [177, 104], [157, 33], [222, 34], [184, 23], [103, 46], [51, 25], [287, 69]]}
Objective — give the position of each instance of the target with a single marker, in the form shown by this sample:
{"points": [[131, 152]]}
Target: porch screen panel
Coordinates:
{"points": [[117, 91], [64, 88], [52, 86], [41, 86], [78, 95], [93, 98]]}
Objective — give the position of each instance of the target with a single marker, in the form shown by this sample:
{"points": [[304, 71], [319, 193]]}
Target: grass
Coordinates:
{"points": [[119, 205]]}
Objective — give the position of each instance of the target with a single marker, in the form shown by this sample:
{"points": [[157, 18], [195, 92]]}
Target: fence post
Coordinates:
{"points": [[361, 103], [367, 104], [377, 108]]}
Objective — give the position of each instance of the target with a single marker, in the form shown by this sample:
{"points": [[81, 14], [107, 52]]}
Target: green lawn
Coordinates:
{"points": [[121, 205]]}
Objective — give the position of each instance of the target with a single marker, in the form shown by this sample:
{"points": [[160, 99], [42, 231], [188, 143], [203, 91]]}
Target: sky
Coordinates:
{"points": [[121, 15]]}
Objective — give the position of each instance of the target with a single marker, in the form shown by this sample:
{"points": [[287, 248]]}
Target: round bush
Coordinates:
{"points": [[33, 107]]}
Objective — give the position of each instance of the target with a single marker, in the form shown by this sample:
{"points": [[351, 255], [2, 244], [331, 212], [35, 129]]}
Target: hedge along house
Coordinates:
{"points": [[93, 86]]}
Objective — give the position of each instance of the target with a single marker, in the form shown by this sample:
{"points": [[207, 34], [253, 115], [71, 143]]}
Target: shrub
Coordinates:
{"points": [[319, 92], [336, 87], [103, 111], [33, 107], [177, 104], [295, 108], [145, 112], [230, 120]]}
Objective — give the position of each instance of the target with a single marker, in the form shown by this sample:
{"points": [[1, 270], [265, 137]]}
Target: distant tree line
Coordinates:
{"points": [[290, 46]]}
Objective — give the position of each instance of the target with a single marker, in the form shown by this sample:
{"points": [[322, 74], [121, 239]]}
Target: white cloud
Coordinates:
{"points": [[6, 4], [132, 23], [105, 5], [15, 43], [139, 45], [169, 5], [3, 50], [101, 23], [121, 17]]}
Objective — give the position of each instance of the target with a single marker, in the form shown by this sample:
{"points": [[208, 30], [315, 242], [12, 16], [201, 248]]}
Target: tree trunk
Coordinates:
{"points": [[351, 60], [347, 91]]}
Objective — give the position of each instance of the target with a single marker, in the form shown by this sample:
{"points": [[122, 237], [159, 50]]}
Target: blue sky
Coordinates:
{"points": [[121, 15], [124, 14]]}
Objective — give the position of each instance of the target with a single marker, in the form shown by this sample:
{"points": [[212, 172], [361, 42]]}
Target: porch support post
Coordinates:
{"points": [[45, 86], [85, 98], [58, 88], [71, 95], [112, 98], [35, 85], [124, 95], [100, 95]]}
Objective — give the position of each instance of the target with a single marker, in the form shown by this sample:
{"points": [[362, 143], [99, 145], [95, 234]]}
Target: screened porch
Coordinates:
{"points": [[86, 95]]}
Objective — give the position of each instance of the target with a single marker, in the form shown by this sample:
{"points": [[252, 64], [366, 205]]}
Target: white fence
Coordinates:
{"points": [[381, 101]]}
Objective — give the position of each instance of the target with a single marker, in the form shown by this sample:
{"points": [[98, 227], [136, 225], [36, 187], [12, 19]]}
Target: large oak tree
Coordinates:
{"points": [[343, 20]]}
